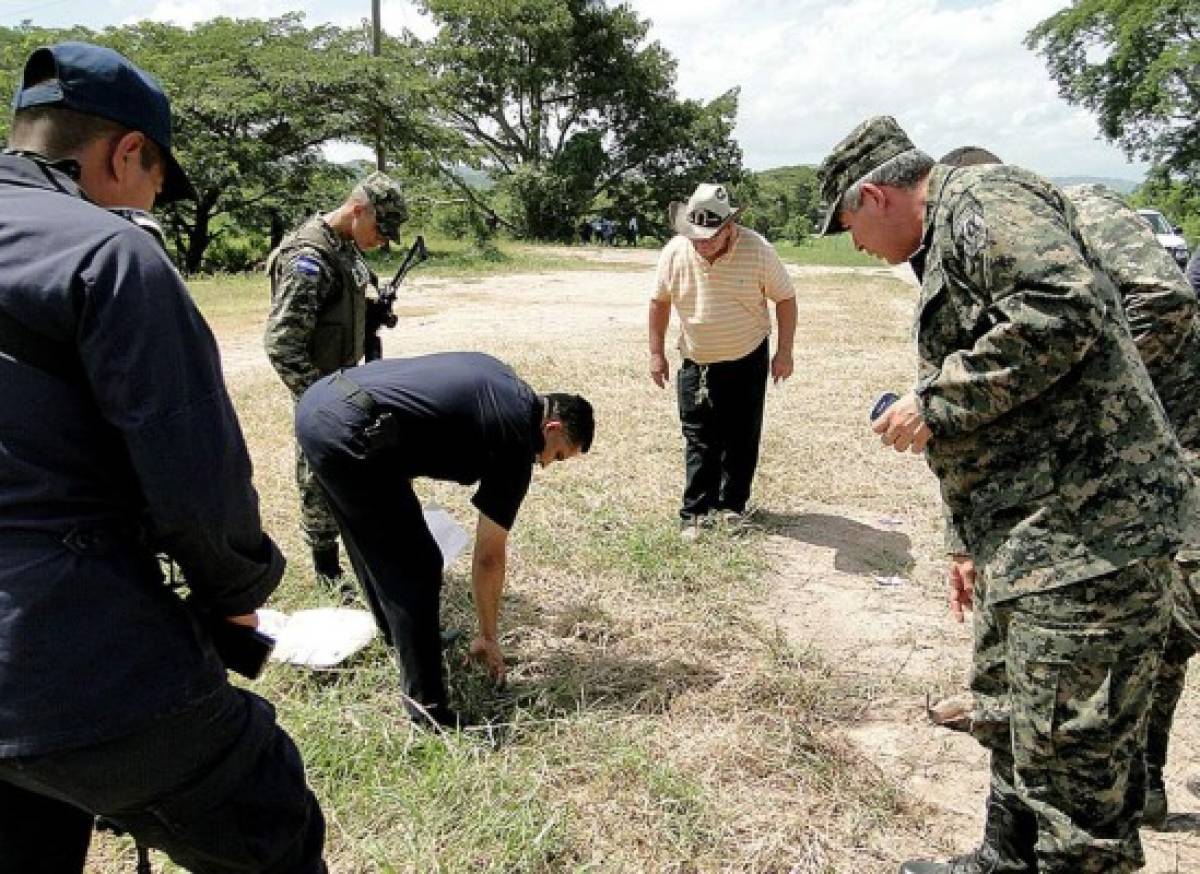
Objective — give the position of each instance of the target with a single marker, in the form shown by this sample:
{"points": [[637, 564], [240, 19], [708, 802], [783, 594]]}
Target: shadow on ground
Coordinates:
{"points": [[858, 548], [1183, 822]]}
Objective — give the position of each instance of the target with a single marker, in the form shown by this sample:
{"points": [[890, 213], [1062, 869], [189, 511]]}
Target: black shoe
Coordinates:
{"points": [[1154, 809], [326, 562], [436, 717], [1009, 835]]}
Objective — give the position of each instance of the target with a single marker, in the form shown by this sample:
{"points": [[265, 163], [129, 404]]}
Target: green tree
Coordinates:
{"points": [[1136, 64], [785, 202], [566, 105], [253, 102], [1178, 201]]}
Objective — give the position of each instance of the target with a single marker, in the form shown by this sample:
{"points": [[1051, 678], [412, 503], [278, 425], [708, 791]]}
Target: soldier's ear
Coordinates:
{"points": [[874, 194]]}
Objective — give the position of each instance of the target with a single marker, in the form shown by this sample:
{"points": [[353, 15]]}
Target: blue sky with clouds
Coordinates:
{"points": [[953, 72]]}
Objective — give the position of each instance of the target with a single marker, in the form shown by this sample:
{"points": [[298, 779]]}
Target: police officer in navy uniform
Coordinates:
{"points": [[461, 417], [118, 440]]}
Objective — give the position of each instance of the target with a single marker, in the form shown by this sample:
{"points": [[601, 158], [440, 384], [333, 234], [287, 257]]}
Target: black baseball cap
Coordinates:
{"points": [[99, 81]]}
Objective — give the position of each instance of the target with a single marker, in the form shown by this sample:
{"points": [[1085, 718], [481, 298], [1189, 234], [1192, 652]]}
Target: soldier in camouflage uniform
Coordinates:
{"points": [[1060, 474], [1162, 315], [317, 325]]}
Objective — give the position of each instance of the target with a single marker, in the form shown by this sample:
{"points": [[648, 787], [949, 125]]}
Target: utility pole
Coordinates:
{"points": [[376, 50]]}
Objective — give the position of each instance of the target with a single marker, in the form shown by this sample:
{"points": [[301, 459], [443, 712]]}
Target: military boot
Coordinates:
{"points": [[1008, 838], [1154, 809], [326, 561], [330, 574]]}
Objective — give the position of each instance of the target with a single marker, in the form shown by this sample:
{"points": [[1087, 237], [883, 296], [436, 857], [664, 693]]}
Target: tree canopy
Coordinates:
{"points": [[564, 107], [1136, 64], [567, 105]]}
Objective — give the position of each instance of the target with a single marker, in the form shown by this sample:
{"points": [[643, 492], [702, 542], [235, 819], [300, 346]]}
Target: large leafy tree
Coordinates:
{"points": [[1136, 64], [785, 202], [565, 104], [253, 102]]}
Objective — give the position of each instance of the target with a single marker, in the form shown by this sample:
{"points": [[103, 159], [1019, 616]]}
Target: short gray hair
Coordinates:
{"points": [[903, 171]]}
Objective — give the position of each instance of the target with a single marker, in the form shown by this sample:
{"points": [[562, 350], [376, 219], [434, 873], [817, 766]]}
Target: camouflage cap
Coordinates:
{"points": [[387, 198], [872, 144]]}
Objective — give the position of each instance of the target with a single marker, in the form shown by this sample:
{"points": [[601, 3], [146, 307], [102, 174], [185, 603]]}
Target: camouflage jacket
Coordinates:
{"points": [[318, 305], [1055, 458], [1158, 302]]}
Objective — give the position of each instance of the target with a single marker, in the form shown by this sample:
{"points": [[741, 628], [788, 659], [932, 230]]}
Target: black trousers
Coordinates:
{"points": [[394, 555], [218, 787], [721, 409]]}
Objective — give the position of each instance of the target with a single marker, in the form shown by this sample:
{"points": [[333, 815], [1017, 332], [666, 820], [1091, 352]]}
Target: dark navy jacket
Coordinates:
{"points": [[462, 417], [144, 439]]}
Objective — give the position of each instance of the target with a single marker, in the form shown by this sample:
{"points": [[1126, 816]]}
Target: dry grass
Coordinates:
{"points": [[651, 723]]}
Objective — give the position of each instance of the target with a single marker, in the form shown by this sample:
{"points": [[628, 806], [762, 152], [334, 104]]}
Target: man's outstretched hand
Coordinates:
{"points": [[487, 653]]}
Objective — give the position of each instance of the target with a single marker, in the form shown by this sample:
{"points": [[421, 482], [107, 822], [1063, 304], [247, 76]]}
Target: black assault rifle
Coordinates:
{"points": [[379, 311]]}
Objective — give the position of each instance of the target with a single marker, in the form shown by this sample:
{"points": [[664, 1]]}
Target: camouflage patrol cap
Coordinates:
{"points": [[387, 199], [872, 144]]}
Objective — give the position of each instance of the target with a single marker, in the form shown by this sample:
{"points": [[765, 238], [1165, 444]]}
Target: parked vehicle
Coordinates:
{"points": [[1169, 235]]}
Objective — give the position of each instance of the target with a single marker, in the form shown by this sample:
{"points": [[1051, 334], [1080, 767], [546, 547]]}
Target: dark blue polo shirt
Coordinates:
{"points": [[464, 417], [92, 645]]}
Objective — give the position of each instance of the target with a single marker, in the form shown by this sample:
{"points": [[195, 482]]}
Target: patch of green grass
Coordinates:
{"points": [[461, 257], [231, 296], [835, 251]]}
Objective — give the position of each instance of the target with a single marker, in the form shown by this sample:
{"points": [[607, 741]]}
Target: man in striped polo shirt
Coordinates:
{"points": [[719, 276]]}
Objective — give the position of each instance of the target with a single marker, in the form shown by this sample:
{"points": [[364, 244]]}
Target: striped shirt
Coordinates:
{"points": [[722, 306]]}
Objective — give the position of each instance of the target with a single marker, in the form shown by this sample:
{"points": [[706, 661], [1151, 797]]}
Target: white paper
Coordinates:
{"points": [[320, 638], [451, 537]]}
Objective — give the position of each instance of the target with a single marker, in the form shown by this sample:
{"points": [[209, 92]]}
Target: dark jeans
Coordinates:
{"points": [[218, 787], [721, 409], [395, 557]]}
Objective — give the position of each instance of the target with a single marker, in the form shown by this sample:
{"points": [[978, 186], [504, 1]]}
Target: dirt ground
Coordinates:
{"points": [[852, 532]]}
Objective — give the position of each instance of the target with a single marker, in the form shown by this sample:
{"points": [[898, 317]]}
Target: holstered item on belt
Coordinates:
{"points": [[381, 430]]}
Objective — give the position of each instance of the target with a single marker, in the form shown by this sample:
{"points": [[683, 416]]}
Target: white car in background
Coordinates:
{"points": [[1169, 236]]}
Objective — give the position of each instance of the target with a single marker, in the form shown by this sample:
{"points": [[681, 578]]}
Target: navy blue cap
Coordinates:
{"points": [[99, 81]]}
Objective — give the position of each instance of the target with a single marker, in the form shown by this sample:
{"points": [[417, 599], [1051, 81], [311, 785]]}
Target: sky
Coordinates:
{"points": [[952, 72]]}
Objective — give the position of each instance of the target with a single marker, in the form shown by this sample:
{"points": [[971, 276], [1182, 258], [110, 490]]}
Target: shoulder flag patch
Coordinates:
{"points": [[307, 265], [973, 233]]}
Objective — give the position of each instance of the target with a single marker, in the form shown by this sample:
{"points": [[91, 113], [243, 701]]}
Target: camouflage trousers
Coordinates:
{"points": [[1062, 682], [316, 519], [1183, 641]]}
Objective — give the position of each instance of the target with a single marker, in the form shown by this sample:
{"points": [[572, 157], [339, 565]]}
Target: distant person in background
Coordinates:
{"points": [[719, 276], [585, 231], [631, 231], [1193, 270], [607, 231]]}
